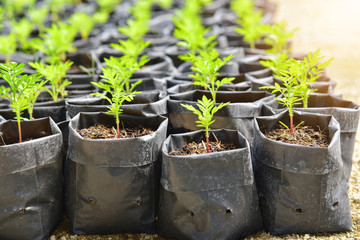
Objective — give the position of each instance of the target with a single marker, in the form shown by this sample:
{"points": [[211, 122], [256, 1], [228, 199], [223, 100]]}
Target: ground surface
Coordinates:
{"points": [[331, 25]]}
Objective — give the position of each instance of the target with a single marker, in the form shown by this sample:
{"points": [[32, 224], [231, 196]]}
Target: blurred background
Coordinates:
{"points": [[334, 27]]}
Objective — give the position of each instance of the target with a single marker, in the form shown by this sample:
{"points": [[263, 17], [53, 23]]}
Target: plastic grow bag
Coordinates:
{"points": [[301, 189], [145, 104], [345, 112], [208, 196], [237, 115], [112, 184], [31, 203]]}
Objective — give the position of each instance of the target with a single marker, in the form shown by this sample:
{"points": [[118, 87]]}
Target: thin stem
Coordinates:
{"points": [[305, 101], [252, 45], [117, 127], [19, 129], [291, 125], [207, 140], [30, 114]]}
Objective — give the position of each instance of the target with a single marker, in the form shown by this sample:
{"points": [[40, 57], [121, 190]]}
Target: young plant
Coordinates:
{"points": [[191, 33], [38, 16], [7, 46], [22, 31], [16, 7], [55, 74], [108, 5], [57, 41], [57, 7], [114, 86], [277, 63], [307, 72], [130, 47], [33, 92], [205, 112], [101, 16], [297, 80], [125, 66], [252, 28], [206, 65], [141, 10], [16, 93], [289, 97], [135, 29], [242, 8], [83, 23], [277, 37], [166, 4]]}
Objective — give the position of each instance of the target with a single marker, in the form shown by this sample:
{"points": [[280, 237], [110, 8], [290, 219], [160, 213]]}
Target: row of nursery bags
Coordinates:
{"points": [[134, 185]]}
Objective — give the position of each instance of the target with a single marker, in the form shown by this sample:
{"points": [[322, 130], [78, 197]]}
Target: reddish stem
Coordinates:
{"points": [[19, 129], [117, 130], [207, 145], [291, 126]]}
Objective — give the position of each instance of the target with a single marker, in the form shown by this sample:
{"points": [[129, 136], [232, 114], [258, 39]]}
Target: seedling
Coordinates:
{"points": [[206, 65], [83, 23], [16, 93], [297, 80], [289, 97], [135, 29], [57, 41], [33, 92], [57, 7], [38, 16], [191, 33], [277, 37], [307, 72], [55, 74], [108, 5], [277, 64], [114, 86], [16, 7], [252, 29], [7, 46], [196, 6], [125, 66], [130, 47], [166, 4], [205, 112], [243, 8], [101, 16], [141, 10], [22, 31]]}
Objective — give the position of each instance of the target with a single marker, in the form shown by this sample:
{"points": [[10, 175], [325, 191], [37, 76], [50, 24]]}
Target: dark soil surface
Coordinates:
{"points": [[4, 141], [303, 135], [193, 148], [107, 132]]}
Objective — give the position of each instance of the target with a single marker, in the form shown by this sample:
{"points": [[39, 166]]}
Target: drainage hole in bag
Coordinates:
{"points": [[92, 200]]}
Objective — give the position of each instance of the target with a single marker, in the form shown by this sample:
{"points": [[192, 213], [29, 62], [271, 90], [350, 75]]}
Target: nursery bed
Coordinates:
{"points": [[319, 27]]}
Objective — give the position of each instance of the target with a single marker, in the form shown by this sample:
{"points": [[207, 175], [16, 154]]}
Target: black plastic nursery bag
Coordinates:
{"points": [[112, 184], [208, 196], [301, 189], [344, 111], [31, 202]]}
